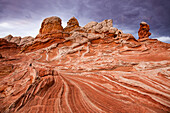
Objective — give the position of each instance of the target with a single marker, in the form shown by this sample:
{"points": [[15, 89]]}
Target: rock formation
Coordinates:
{"points": [[95, 68], [71, 25], [51, 26], [144, 30], [16, 40], [100, 27], [8, 48], [8, 38], [26, 40]]}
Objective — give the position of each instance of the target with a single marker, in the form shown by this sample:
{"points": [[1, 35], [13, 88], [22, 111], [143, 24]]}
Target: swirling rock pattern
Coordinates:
{"points": [[88, 72]]}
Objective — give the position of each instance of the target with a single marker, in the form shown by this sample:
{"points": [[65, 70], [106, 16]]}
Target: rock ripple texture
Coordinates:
{"points": [[105, 71]]}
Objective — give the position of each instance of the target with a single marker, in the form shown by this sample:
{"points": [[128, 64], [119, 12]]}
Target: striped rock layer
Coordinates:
{"points": [[87, 72]]}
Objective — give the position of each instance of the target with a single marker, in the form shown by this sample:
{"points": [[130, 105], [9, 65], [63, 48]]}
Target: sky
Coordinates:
{"points": [[24, 17]]}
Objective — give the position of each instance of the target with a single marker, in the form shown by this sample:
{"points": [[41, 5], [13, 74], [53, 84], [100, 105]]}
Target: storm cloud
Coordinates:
{"points": [[23, 17]]}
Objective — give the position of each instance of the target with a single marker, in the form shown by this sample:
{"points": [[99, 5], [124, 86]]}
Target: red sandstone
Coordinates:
{"points": [[88, 70]]}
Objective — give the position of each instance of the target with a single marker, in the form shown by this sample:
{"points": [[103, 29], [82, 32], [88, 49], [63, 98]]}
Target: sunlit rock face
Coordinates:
{"points": [[93, 69]]}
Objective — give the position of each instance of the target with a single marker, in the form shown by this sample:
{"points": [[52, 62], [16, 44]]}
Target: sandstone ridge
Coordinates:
{"points": [[94, 68]]}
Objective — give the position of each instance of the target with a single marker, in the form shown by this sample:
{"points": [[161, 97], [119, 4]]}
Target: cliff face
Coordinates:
{"points": [[95, 68]]}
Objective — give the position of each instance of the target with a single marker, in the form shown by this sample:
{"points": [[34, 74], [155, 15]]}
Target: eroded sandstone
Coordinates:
{"points": [[85, 71], [144, 30], [71, 25]]}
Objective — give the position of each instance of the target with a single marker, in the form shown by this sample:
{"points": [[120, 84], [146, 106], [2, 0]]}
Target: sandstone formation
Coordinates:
{"points": [[51, 27], [8, 38], [100, 27], [71, 25], [51, 24], [96, 68], [16, 40], [144, 30], [26, 40], [8, 48]]}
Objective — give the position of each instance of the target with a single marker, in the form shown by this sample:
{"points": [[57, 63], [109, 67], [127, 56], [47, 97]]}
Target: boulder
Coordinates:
{"points": [[144, 30], [71, 25]]}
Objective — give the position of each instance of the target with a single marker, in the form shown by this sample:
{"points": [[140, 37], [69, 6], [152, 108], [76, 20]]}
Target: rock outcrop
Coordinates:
{"points": [[8, 49], [71, 25], [104, 70], [144, 30], [8, 38], [26, 40], [100, 27], [50, 27], [16, 40], [51, 24]]}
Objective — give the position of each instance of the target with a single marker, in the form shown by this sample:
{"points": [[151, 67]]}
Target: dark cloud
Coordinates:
{"points": [[126, 15]]}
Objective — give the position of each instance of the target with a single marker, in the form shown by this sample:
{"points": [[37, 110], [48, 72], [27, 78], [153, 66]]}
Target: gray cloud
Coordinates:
{"points": [[126, 15]]}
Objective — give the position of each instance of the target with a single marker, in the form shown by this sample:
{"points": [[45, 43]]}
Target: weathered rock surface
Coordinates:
{"points": [[51, 24], [8, 38], [100, 27], [16, 40], [50, 27], [71, 25], [144, 30], [26, 40], [87, 72], [90, 25], [8, 48]]}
